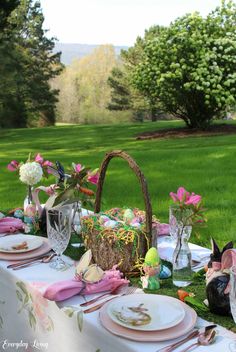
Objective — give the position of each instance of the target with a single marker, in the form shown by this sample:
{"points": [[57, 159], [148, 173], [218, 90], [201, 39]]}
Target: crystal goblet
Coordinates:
{"points": [[59, 232]]}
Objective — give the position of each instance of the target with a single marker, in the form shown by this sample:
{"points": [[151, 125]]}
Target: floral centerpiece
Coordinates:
{"points": [[72, 185], [187, 208], [30, 173], [186, 212]]}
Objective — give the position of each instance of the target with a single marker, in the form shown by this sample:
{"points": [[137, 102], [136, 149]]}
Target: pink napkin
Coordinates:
{"points": [[10, 225], [66, 289], [163, 229]]}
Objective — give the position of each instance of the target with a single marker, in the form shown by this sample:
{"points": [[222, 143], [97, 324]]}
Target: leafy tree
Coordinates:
{"points": [[6, 7], [27, 64], [190, 67], [120, 91], [84, 91], [124, 95]]}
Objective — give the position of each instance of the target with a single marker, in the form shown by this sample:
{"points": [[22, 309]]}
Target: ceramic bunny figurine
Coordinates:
{"points": [[217, 279]]}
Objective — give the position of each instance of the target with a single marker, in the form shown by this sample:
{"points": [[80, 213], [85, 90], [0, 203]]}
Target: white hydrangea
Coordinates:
{"points": [[31, 173]]}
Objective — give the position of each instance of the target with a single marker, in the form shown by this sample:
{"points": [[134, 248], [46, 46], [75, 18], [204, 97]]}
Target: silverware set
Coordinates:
{"points": [[118, 292], [205, 336], [26, 263]]}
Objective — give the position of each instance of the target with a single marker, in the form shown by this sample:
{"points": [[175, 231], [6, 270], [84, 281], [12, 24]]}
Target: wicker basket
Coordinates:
{"points": [[105, 251]]}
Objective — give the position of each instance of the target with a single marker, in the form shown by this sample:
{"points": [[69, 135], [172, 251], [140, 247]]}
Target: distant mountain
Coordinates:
{"points": [[77, 51]]}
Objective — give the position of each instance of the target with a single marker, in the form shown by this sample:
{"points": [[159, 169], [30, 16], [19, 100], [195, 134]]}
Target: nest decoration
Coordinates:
{"points": [[119, 236]]}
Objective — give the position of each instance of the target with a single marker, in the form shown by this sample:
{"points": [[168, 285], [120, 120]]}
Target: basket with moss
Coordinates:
{"points": [[119, 236]]}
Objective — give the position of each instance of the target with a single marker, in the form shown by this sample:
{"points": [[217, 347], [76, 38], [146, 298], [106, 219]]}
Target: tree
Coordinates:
{"points": [[190, 67], [124, 95], [84, 92], [120, 91], [27, 64], [6, 7]]}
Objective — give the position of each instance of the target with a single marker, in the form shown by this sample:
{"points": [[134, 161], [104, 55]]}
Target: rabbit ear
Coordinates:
{"points": [[215, 249], [227, 246]]}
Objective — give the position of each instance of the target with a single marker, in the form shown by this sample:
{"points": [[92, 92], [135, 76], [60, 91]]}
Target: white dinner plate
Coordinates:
{"points": [[164, 313], [186, 325], [10, 243]]}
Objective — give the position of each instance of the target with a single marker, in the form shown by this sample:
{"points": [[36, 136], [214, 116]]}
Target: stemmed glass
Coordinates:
{"points": [[59, 232]]}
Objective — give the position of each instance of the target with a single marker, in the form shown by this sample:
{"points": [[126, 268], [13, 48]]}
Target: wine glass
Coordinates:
{"points": [[59, 232]]}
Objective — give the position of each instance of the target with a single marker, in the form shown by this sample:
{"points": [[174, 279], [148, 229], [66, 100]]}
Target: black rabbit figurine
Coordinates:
{"points": [[217, 281]]}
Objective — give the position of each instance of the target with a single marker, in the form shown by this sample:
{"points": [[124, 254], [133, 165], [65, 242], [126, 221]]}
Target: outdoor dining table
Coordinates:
{"points": [[29, 322]]}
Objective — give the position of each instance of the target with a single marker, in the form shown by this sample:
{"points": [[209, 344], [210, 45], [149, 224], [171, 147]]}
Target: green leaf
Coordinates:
{"points": [[194, 303], [19, 296], [51, 325], [1, 322], [69, 312], [80, 320], [32, 320], [22, 286]]}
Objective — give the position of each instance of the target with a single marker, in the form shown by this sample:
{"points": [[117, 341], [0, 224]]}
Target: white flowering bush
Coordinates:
{"points": [[31, 173], [189, 67]]}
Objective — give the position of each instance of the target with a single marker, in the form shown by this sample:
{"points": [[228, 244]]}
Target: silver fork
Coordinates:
{"points": [[116, 291], [124, 292]]}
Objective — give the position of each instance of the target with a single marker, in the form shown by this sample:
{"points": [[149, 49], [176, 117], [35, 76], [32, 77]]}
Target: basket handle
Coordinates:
{"points": [[134, 166]]}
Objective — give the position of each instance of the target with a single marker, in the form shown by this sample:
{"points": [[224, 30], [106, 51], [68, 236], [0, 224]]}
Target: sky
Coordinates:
{"points": [[116, 22]]}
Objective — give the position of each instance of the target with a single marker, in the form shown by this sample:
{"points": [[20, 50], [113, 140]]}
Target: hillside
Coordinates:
{"points": [[76, 51]]}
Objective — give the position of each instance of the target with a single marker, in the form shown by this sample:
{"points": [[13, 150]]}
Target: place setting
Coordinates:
{"points": [[23, 247]]}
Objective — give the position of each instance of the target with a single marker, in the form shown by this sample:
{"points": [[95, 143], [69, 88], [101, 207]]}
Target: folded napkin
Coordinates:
{"points": [[60, 291], [166, 249], [163, 229], [10, 225]]}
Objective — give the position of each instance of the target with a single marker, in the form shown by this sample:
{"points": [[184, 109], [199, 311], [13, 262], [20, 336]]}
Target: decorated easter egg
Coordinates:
{"points": [[165, 272], [19, 214], [30, 210], [136, 224], [110, 223], [103, 219], [152, 257], [128, 215]]}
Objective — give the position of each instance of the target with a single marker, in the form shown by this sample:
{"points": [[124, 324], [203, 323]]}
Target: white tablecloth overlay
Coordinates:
{"points": [[45, 324]]}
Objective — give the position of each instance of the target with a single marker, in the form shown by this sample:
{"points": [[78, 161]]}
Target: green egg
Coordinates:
{"points": [[152, 256]]}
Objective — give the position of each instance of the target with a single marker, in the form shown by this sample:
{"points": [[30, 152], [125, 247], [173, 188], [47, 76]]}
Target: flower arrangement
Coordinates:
{"points": [[32, 171], [187, 207], [74, 184], [186, 212]]}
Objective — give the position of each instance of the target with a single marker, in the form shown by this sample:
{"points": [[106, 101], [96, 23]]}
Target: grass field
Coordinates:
{"points": [[204, 165]]}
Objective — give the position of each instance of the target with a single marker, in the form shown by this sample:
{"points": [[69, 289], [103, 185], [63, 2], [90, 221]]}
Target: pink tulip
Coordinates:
{"points": [[174, 196], [13, 165], [93, 177], [47, 163], [78, 167], [193, 199], [181, 193], [39, 159], [180, 196]]}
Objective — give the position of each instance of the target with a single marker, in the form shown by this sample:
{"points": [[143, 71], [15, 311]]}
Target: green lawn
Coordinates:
{"points": [[204, 165]]}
